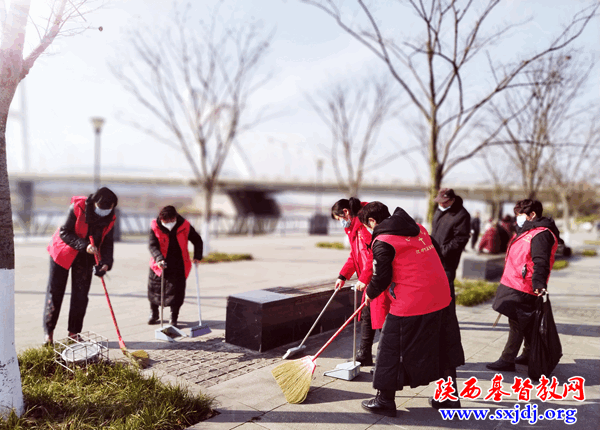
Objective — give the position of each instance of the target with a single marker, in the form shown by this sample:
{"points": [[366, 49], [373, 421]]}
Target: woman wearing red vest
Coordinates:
{"points": [[169, 235], [420, 340], [360, 262], [70, 249], [527, 267]]}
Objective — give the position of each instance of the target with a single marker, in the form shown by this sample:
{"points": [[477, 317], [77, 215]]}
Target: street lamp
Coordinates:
{"points": [[97, 122]]}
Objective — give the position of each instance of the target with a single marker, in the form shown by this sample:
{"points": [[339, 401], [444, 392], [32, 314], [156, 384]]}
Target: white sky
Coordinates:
{"points": [[309, 52]]}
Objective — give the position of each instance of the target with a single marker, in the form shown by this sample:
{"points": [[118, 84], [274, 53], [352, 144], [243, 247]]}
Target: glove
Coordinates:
{"points": [[98, 270]]}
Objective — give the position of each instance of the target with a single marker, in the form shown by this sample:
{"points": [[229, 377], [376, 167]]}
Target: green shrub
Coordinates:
{"points": [[334, 245], [592, 242], [218, 257], [102, 395], [560, 264], [589, 252], [474, 292], [587, 218]]}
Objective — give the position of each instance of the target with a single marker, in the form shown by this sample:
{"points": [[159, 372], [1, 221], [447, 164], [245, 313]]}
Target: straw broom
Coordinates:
{"points": [[138, 358], [293, 377]]}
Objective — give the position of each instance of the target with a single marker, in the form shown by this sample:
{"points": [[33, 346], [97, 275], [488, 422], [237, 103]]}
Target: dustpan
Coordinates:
{"points": [[349, 370], [168, 332]]}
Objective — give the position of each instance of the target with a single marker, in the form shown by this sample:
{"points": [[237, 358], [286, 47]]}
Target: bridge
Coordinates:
{"points": [[252, 206]]}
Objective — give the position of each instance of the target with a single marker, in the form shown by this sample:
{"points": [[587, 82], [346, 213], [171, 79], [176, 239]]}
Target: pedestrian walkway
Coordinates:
{"points": [[246, 394]]}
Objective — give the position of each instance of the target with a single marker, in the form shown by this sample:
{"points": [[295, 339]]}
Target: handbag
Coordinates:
{"points": [[546, 350]]}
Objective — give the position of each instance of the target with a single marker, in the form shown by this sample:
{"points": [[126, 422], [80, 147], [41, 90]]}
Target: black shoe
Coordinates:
{"points": [[380, 406], [365, 356], [446, 404], [173, 322], [501, 365], [521, 359], [153, 319]]}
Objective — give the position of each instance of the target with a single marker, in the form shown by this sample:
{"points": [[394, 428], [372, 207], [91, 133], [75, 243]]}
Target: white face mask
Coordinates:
{"points": [[101, 212], [443, 209], [521, 220], [169, 225], [345, 223]]}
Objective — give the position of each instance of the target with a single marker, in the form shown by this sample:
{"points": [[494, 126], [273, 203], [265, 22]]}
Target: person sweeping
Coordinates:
{"points": [[360, 262], [169, 236], [420, 341], [71, 251]]}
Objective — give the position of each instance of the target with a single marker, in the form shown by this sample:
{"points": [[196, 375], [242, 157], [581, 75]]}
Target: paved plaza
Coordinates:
{"points": [[246, 394]]}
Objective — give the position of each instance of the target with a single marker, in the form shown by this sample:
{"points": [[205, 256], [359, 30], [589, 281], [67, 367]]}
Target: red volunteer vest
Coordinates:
{"points": [[419, 282], [63, 254], [518, 255], [183, 232]]}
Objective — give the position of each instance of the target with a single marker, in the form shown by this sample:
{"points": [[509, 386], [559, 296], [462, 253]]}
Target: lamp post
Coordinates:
{"points": [[97, 122]]}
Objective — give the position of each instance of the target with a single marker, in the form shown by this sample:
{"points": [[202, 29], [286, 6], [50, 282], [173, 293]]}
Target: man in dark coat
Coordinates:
{"points": [[450, 229], [169, 235], [475, 229], [420, 340], [529, 260]]}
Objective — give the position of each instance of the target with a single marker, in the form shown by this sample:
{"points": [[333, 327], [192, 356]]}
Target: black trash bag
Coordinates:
{"points": [[546, 350]]}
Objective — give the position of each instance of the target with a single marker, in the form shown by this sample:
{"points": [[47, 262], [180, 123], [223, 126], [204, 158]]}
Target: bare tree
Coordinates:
{"points": [[64, 17], [196, 80], [355, 115], [438, 69], [538, 119], [574, 168]]}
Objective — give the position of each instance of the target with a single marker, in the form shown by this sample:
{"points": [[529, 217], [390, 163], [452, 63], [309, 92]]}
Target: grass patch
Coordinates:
{"points": [[592, 242], [103, 395], [589, 252], [474, 292], [219, 257], [332, 245], [560, 264]]}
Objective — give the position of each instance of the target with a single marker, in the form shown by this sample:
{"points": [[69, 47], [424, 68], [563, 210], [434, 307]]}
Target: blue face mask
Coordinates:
{"points": [[345, 224]]}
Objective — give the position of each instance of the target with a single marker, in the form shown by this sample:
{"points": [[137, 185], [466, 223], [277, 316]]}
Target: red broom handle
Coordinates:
{"points": [[339, 331], [112, 313]]}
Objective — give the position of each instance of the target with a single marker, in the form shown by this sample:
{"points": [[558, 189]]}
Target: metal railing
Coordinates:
{"points": [[131, 223]]}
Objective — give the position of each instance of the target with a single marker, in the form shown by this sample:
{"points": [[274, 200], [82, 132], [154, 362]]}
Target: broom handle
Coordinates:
{"points": [[112, 313], [319, 317], [198, 294], [339, 330]]}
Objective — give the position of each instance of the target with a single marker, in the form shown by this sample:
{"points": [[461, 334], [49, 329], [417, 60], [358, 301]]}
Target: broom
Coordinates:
{"points": [[139, 358], [293, 377]]}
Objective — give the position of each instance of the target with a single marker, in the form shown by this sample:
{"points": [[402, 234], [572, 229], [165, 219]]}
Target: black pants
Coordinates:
{"points": [[81, 279], [451, 274], [514, 342], [474, 238]]}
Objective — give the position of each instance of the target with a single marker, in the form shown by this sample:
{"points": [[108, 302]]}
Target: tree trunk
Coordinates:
{"points": [[435, 172], [208, 197], [566, 212], [11, 394]]}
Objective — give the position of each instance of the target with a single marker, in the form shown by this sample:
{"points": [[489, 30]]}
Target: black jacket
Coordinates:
{"points": [[399, 224], [518, 305], [96, 225], [476, 225], [541, 248], [451, 230], [175, 280]]}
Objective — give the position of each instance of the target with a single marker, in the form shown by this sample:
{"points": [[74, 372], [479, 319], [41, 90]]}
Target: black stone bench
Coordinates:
{"points": [[265, 319], [483, 266]]}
